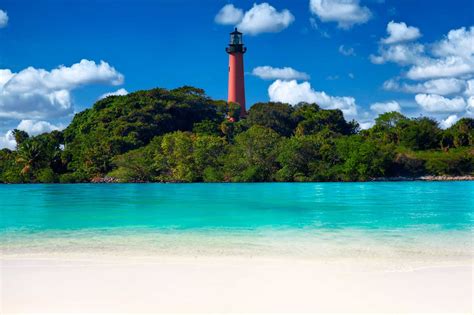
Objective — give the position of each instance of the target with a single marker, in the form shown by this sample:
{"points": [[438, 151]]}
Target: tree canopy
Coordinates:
{"points": [[182, 135]]}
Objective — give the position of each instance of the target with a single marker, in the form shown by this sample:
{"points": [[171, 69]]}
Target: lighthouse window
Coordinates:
{"points": [[236, 39]]}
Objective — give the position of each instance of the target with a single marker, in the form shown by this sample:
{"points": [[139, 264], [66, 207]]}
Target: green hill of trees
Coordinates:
{"points": [[182, 135]]}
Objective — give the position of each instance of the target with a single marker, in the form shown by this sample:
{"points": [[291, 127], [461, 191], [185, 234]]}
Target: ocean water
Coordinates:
{"points": [[425, 220]]}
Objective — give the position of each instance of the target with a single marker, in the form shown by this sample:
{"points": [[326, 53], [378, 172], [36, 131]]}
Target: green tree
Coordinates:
{"points": [[118, 124], [462, 132], [10, 170], [253, 157], [186, 157], [29, 156], [309, 158], [276, 116], [207, 127], [312, 119], [136, 165], [388, 127], [208, 154], [362, 160], [20, 136], [174, 160], [419, 134]]}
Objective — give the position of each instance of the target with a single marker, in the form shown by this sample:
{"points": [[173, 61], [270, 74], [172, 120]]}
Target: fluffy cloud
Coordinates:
{"points": [[400, 54], [445, 86], [36, 127], [381, 108], [292, 92], [366, 125], [286, 73], [3, 19], [452, 66], [451, 57], [454, 57], [5, 76], [459, 42], [119, 92], [63, 78], [444, 67], [470, 106], [346, 51], [400, 32], [346, 13], [40, 94], [7, 141], [448, 122], [263, 18], [229, 15], [433, 103], [469, 88], [32, 127]]}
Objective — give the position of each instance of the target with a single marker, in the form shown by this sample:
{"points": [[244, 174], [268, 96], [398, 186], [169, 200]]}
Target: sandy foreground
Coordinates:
{"points": [[230, 284]]}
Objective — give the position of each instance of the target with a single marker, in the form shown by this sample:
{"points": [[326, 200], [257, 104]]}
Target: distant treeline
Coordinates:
{"points": [[182, 135]]}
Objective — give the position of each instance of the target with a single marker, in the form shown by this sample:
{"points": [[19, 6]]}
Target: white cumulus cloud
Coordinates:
{"points": [[292, 92], [452, 66], [449, 121], [366, 125], [346, 13], [433, 103], [7, 140], [444, 86], [36, 127], [229, 15], [32, 127], [451, 57], [469, 88], [5, 76], [263, 18], [40, 94], [286, 73], [400, 54], [444, 70], [3, 19], [381, 107], [458, 42], [400, 32], [119, 92], [470, 106]]}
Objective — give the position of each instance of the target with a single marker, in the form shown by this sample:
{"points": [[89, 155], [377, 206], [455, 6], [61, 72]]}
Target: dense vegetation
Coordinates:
{"points": [[182, 135]]}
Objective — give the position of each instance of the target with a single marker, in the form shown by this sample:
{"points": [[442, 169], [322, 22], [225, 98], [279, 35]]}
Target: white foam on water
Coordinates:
{"points": [[404, 248]]}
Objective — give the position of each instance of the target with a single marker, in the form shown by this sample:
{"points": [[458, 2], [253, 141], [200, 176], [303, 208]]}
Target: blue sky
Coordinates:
{"points": [[342, 54]]}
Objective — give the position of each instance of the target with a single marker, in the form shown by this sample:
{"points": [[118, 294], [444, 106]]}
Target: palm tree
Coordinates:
{"points": [[20, 136], [28, 154]]}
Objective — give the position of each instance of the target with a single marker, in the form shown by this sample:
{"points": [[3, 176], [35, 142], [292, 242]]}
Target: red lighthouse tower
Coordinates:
{"points": [[236, 51]]}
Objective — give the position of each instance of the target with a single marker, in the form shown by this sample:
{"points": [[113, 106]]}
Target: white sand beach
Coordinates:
{"points": [[81, 284]]}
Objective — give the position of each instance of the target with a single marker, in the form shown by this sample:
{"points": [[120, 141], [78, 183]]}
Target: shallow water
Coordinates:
{"points": [[393, 219]]}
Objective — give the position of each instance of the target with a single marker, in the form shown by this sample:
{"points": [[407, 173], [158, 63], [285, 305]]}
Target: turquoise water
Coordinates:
{"points": [[432, 217]]}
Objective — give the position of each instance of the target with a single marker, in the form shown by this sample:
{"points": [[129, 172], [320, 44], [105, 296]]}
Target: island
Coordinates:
{"points": [[182, 135]]}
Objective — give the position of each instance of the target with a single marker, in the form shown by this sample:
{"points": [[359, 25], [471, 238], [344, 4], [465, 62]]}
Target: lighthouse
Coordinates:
{"points": [[236, 51]]}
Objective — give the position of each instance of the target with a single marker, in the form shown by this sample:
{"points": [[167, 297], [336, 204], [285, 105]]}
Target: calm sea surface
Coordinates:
{"points": [[394, 218]]}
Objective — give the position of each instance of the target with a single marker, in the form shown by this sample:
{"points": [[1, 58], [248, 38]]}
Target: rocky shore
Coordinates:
{"points": [[427, 178]]}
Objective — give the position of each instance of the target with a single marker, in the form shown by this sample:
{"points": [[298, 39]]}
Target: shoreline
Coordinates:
{"points": [[426, 178], [125, 277], [228, 284]]}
